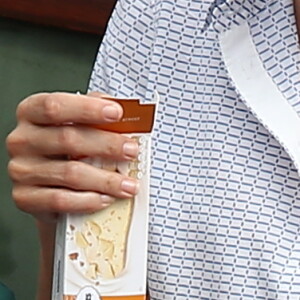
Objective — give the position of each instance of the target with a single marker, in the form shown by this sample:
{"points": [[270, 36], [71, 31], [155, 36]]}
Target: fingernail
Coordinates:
{"points": [[111, 113], [104, 205], [130, 150], [105, 199], [130, 186]]}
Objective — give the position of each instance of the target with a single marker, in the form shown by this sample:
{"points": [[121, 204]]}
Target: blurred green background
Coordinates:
{"points": [[32, 59]]}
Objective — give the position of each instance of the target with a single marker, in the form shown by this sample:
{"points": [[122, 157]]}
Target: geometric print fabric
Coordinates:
{"points": [[225, 204]]}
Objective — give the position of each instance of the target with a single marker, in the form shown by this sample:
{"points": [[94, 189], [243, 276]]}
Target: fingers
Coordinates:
{"points": [[47, 188], [74, 175], [45, 202], [75, 141], [52, 128], [59, 108]]}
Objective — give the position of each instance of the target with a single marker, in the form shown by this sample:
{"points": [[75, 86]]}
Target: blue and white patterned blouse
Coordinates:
{"points": [[225, 190]]}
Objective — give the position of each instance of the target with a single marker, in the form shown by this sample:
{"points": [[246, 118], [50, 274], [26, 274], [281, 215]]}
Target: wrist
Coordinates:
{"points": [[47, 244]]}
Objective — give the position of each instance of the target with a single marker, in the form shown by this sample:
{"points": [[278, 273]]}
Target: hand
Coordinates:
{"points": [[51, 129]]}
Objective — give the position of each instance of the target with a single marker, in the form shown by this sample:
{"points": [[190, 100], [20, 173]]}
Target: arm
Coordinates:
{"points": [[52, 128], [47, 238]]}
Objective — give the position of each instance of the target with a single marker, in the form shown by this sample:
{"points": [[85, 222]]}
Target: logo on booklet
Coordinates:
{"points": [[88, 293]]}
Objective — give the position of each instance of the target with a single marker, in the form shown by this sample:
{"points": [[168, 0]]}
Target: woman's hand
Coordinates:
{"points": [[52, 128]]}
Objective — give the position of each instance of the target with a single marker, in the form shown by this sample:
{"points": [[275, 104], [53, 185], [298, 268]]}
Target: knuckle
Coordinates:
{"points": [[113, 146], [10, 142], [71, 173], [68, 138], [17, 171], [110, 183], [111, 149], [19, 197], [52, 107], [15, 142], [22, 108], [90, 110], [60, 201]]}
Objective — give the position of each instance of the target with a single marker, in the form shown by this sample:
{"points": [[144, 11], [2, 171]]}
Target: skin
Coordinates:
{"points": [[52, 129]]}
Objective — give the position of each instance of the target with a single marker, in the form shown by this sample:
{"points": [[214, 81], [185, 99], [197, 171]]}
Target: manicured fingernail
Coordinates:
{"points": [[111, 113], [130, 186], [130, 150], [104, 205], [105, 199]]}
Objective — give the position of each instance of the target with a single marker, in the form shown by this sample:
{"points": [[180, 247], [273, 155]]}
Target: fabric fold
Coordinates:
{"points": [[259, 92], [225, 14]]}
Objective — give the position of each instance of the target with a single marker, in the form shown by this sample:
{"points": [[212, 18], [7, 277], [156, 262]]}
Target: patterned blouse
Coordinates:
{"points": [[225, 202]]}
